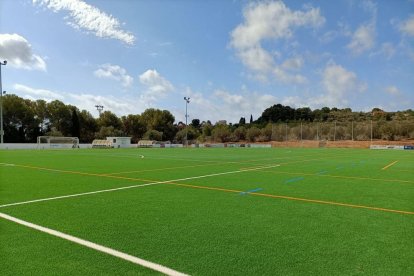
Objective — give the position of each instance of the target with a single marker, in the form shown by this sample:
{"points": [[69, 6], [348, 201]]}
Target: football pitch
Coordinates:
{"points": [[229, 211]]}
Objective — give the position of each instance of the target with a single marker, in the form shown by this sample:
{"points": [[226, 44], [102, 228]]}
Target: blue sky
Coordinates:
{"points": [[232, 58]]}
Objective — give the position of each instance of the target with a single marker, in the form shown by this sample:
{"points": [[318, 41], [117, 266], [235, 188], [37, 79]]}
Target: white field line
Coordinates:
{"points": [[97, 247], [134, 186]]}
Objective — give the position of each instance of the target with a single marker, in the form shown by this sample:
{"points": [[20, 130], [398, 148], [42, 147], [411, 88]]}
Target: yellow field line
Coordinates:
{"points": [[223, 190], [340, 176], [389, 165], [82, 173], [162, 169], [296, 199], [227, 162]]}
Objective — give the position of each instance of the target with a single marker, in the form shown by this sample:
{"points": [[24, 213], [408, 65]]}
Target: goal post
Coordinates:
{"points": [[57, 142]]}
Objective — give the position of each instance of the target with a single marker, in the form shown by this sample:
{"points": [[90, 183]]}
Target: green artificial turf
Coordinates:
{"points": [[215, 225]]}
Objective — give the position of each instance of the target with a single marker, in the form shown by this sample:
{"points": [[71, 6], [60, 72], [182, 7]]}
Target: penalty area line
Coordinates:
{"points": [[134, 186], [95, 246]]}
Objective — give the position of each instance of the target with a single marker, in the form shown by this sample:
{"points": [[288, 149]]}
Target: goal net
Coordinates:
{"points": [[57, 142]]}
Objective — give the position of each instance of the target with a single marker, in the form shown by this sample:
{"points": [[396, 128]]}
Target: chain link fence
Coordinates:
{"points": [[339, 131]]}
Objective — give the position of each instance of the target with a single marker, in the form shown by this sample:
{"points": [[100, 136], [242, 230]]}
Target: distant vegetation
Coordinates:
{"points": [[25, 119]]}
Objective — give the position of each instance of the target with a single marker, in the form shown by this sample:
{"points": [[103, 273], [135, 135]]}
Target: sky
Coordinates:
{"points": [[232, 58]]}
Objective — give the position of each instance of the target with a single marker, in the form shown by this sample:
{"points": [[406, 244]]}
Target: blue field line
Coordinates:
{"points": [[339, 167], [251, 191], [294, 179], [322, 172]]}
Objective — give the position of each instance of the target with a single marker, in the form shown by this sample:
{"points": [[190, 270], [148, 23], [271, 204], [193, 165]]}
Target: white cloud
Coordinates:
{"points": [[407, 27], [114, 72], [156, 86], [363, 39], [225, 105], [34, 93], [81, 100], [387, 50], [286, 77], [340, 86], [116, 105], [257, 59], [293, 64], [18, 53], [392, 90], [269, 21], [89, 18]]}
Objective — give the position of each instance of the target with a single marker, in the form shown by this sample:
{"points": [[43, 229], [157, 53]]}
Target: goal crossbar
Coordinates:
{"points": [[58, 142]]}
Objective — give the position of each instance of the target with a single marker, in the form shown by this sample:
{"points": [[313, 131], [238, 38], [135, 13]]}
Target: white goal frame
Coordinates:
{"points": [[57, 142]]}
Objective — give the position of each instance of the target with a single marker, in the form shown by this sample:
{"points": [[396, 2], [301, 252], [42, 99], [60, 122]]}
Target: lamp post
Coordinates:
{"points": [[1, 104], [187, 101]]}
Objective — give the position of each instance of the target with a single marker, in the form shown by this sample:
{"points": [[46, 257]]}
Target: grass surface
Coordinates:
{"points": [[270, 211]]}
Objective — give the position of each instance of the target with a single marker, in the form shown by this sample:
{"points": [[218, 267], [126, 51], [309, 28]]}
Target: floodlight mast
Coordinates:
{"points": [[1, 103], [99, 108], [187, 101]]}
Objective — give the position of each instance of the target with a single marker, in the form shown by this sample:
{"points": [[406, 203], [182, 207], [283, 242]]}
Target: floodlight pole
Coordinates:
{"points": [[286, 134], [99, 108], [1, 104], [371, 132], [352, 128], [187, 101], [317, 131]]}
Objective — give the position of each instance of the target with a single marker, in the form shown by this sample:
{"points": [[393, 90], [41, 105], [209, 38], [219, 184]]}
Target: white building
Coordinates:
{"points": [[120, 142]]}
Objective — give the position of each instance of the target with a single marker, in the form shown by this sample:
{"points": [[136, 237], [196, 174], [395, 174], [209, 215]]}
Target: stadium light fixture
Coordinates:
{"points": [[187, 101], [99, 108], [1, 104]]}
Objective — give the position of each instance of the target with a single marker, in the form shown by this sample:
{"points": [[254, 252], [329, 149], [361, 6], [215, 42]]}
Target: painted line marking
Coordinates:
{"points": [[6, 164], [299, 199], [252, 168], [389, 165], [321, 172], [95, 246], [132, 186], [340, 176], [251, 191], [294, 179]]}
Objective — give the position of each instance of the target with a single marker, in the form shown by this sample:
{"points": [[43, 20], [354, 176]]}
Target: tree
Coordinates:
{"points": [[108, 131], [221, 133], [108, 119], [133, 126], [277, 113], [207, 129], [240, 133], [160, 120], [19, 120], [153, 134], [75, 124], [191, 132], [60, 117], [88, 127], [252, 134], [195, 123], [242, 121], [41, 114], [251, 118]]}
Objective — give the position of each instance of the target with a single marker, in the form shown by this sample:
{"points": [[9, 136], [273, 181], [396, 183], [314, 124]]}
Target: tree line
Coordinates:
{"points": [[25, 120]]}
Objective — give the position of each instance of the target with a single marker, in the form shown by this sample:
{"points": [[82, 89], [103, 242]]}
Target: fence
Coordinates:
{"points": [[336, 131]]}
